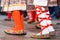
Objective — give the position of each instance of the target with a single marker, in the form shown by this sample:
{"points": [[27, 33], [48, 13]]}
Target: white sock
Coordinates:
{"points": [[51, 29], [45, 31]]}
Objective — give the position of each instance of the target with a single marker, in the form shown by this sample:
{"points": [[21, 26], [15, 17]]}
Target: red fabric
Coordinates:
{"points": [[32, 14], [9, 15]]}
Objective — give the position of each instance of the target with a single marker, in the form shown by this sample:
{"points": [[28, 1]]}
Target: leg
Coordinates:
{"points": [[46, 26], [19, 25], [17, 17], [42, 22], [9, 17], [31, 16], [36, 21], [49, 23]]}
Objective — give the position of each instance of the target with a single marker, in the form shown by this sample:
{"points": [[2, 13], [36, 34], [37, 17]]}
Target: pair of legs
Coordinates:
{"points": [[43, 17], [33, 18], [18, 18], [44, 22]]}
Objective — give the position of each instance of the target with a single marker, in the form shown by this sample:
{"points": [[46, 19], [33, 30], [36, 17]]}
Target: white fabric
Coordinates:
{"points": [[45, 31], [43, 15], [51, 29], [13, 5], [11, 8], [44, 23], [40, 2], [49, 22]]}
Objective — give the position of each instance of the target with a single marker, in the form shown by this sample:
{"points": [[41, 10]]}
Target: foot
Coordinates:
{"points": [[25, 19], [7, 19], [37, 26], [30, 21], [15, 32], [41, 36], [36, 21], [52, 33]]}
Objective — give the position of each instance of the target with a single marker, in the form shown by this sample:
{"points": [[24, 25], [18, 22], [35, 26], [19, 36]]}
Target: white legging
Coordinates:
{"points": [[43, 17]]}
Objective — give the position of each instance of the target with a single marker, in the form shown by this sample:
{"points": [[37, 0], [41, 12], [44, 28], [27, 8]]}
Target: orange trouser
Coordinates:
{"points": [[18, 19]]}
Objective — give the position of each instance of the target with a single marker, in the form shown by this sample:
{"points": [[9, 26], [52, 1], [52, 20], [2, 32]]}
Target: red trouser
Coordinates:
{"points": [[32, 14]]}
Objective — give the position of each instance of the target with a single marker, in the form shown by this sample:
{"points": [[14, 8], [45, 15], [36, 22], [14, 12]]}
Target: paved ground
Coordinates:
{"points": [[30, 28]]}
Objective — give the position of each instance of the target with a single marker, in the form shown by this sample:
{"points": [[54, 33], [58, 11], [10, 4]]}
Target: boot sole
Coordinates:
{"points": [[37, 27], [15, 34], [30, 22], [41, 37]]}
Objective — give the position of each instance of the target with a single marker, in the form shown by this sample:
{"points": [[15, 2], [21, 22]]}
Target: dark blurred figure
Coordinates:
{"points": [[58, 14], [54, 9], [25, 13]]}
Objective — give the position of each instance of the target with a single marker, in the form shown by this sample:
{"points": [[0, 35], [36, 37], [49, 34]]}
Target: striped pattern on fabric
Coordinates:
{"points": [[10, 5]]}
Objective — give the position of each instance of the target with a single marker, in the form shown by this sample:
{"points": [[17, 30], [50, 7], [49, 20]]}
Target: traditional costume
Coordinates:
{"points": [[15, 7], [44, 19]]}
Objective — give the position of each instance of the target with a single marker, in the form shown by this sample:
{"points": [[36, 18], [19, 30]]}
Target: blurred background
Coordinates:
{"points": [[54, 10]]}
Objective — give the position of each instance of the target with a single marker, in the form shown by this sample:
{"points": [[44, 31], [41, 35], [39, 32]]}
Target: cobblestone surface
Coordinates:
{"points": [[29, 28]]}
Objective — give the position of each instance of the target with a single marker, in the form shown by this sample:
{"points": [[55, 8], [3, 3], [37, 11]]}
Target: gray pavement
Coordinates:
{"points": [[29, 28]]}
